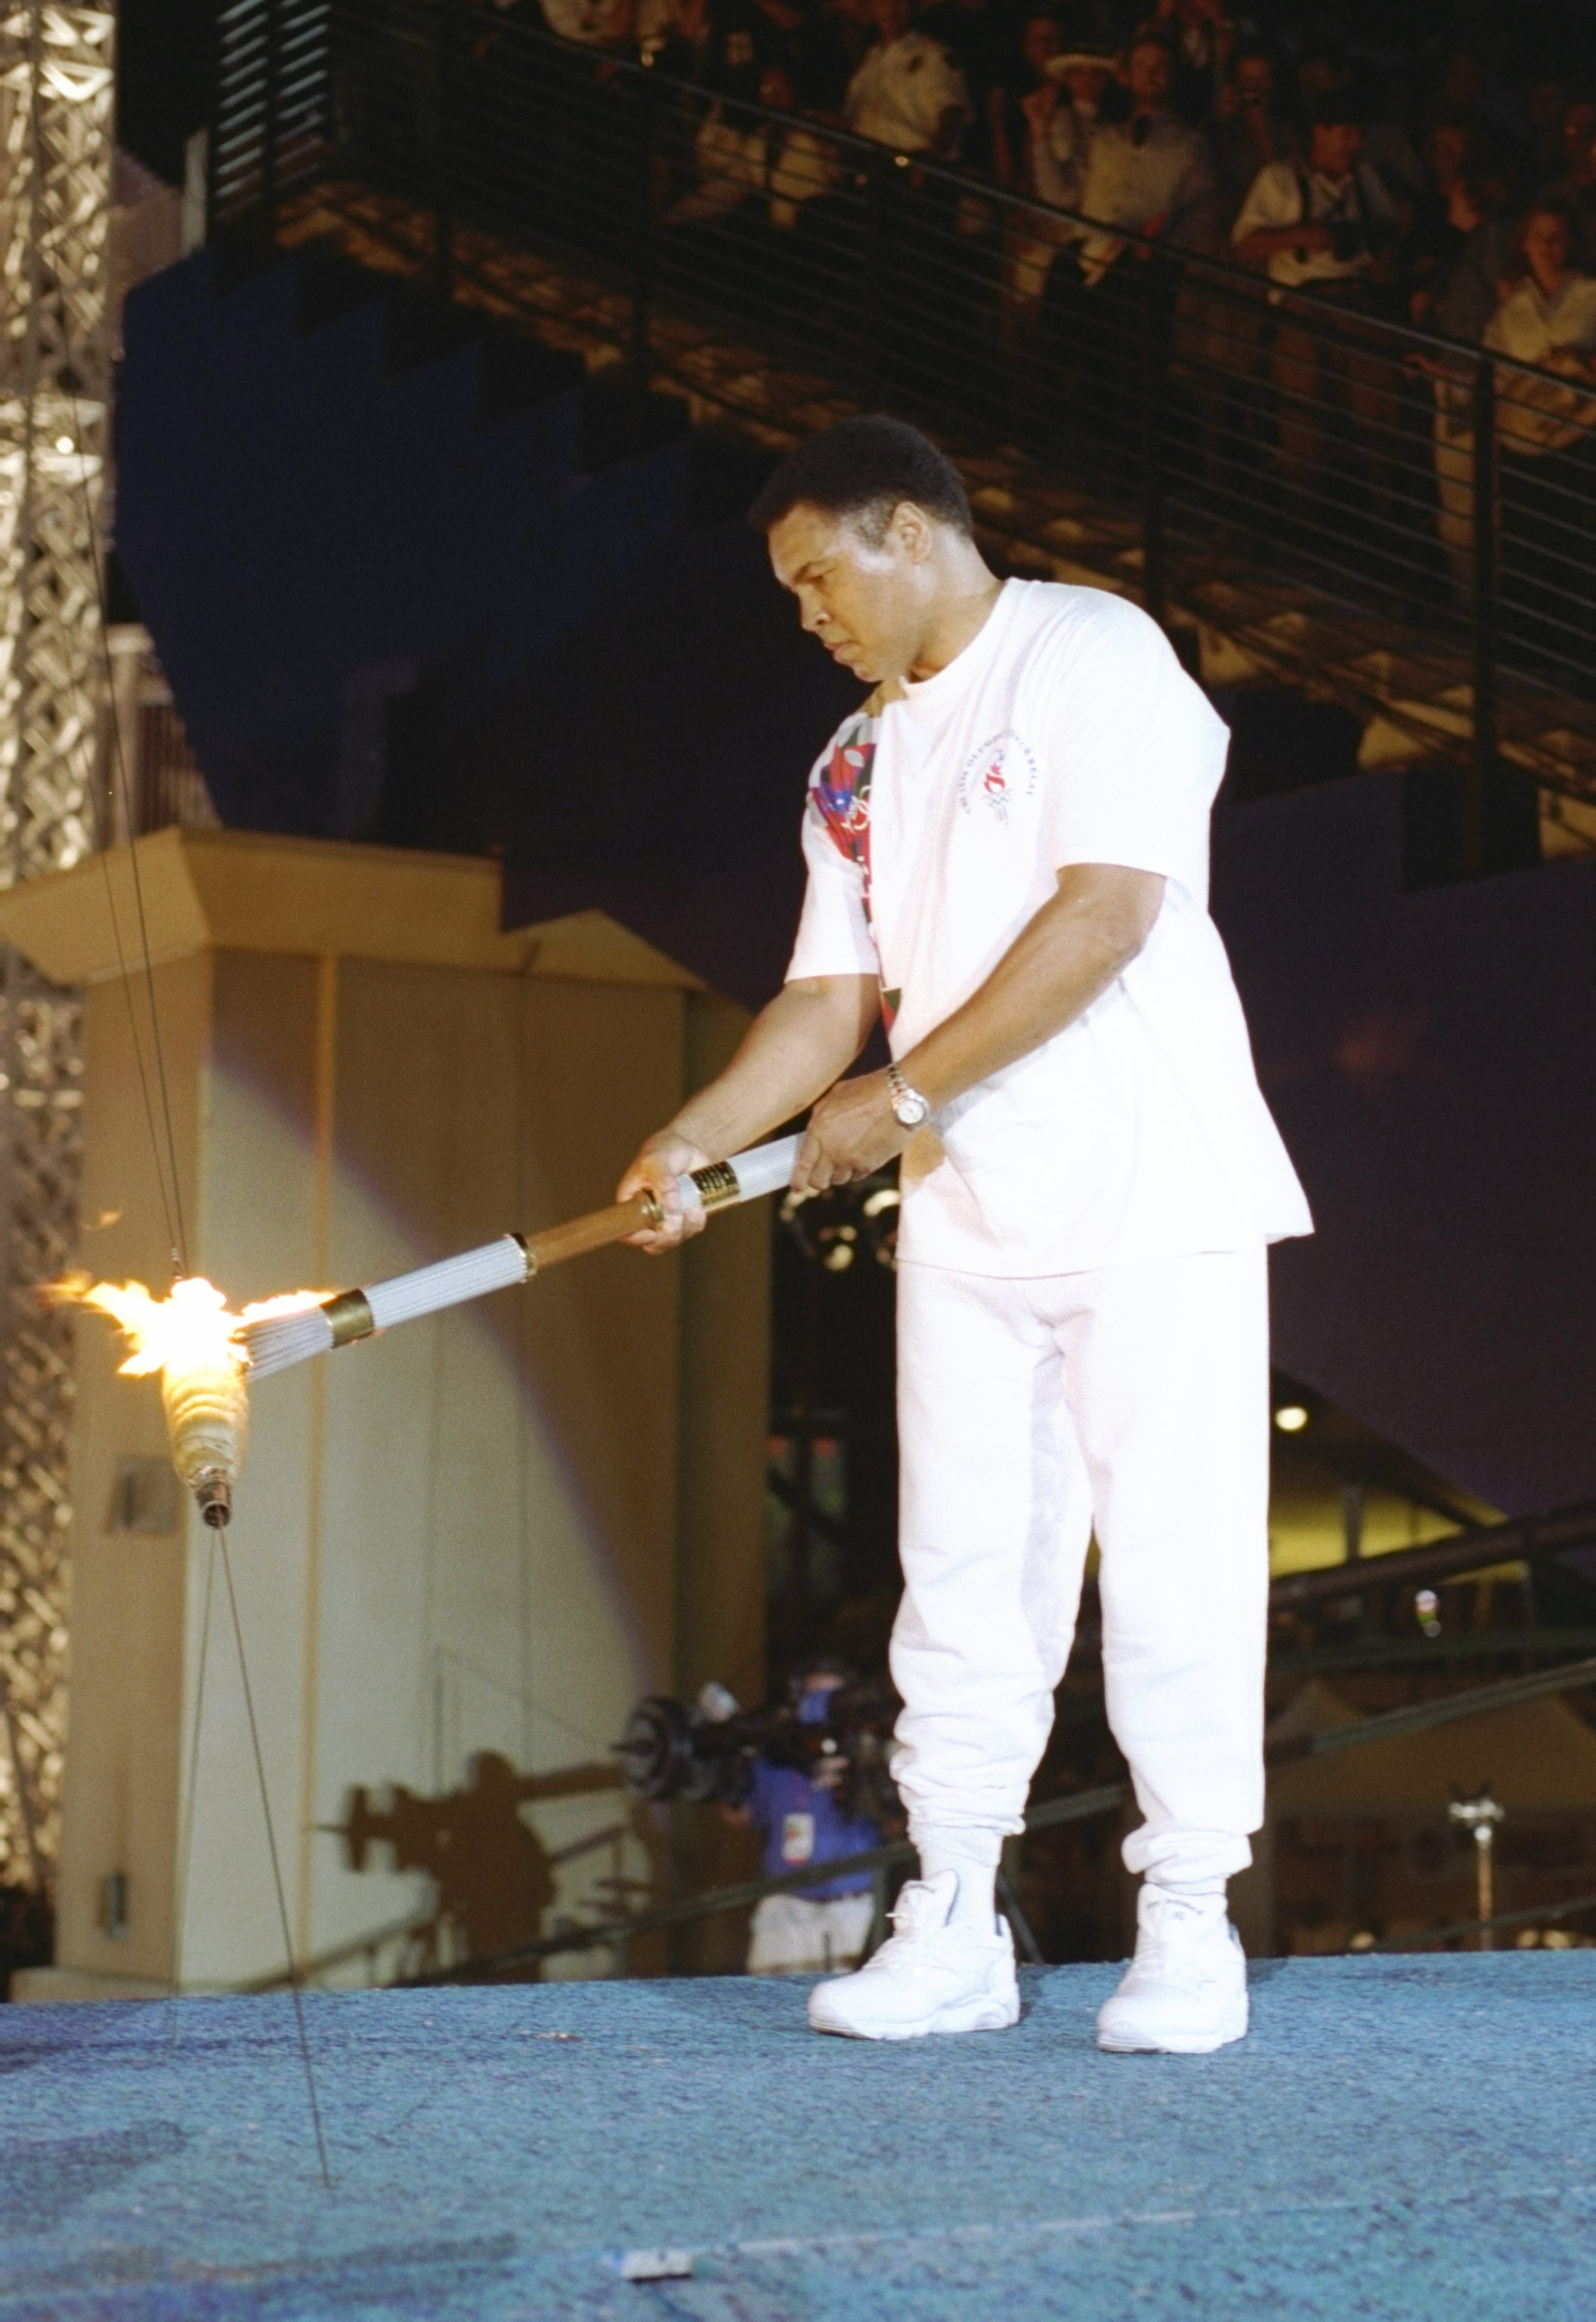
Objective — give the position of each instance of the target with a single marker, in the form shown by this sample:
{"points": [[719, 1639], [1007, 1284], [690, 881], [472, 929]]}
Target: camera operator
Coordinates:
{"points": [[1331, 229], [803, 1817]]}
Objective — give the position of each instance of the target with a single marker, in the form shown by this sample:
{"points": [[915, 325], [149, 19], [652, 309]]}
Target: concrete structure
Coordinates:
{"points": [[489, 1532]]}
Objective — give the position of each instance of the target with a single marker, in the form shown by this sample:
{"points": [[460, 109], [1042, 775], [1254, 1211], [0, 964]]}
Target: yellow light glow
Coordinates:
{"points": [[1290, 1419], [190, 1338], [63, 443]]}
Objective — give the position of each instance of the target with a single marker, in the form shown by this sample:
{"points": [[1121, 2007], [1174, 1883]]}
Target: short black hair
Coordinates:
{"points": [[865, 468]]}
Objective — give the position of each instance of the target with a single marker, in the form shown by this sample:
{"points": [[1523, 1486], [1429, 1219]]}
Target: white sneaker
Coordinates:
{"points": [[1185, 1992], [935, 1974]]}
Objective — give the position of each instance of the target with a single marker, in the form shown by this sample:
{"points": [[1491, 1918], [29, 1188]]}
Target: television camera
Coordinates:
{"points": [[706, 1749]]}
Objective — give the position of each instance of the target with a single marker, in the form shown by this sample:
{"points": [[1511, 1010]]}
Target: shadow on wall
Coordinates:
{"points": [[493, 1877]]}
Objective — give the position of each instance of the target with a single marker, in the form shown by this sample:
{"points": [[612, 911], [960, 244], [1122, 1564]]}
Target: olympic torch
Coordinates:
{"points": [[208, 1356], [275, 1342]]}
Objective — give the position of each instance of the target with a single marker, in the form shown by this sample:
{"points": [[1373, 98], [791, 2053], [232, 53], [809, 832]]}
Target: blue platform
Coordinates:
{"points": [[1398, 2138]]}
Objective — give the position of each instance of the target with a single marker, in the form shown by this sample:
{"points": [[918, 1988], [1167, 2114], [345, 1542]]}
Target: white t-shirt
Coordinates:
{"points": [[937, 822], [1533, 328]]}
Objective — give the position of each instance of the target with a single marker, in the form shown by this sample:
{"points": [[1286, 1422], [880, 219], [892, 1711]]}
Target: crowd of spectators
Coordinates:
{"points": [[1383, 169]]}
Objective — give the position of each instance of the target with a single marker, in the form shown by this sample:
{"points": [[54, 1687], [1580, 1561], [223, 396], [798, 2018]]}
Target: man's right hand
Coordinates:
{"points": [[660, 1162]]}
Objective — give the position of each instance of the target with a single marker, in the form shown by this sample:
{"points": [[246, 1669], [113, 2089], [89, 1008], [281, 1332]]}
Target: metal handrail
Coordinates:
{"points": [[1256, 438], [867, 154], [1519, 1539]]}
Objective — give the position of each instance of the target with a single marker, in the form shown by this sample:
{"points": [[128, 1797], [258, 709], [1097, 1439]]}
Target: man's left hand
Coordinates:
{"points": [[852, 1131]]}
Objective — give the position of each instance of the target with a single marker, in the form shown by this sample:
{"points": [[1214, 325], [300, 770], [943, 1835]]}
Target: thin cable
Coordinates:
{"points": [[186, 1843], [119, 787], [276, 1872], [179, 1238]]}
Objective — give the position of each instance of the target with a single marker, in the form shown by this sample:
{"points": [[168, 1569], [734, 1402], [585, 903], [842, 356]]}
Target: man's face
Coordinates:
{"points": [[1336, 147], [1449, 148], [1544, 241], [1147, 75], [1254, 83], [1040, 40], [891, 20], [865, 601]]}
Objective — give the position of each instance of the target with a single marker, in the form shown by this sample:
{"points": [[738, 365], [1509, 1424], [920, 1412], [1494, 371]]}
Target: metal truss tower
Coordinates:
{"points": [[56, 131]]}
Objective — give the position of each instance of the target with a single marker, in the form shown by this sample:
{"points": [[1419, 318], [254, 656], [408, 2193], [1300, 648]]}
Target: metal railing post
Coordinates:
{"points": [[872, 253], [213, 120], [639, 354], [268, 118], [445, 44], [1154, 574], [1481, 766]]}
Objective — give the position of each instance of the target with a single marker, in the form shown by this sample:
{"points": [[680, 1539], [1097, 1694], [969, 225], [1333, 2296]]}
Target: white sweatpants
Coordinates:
{"points": [[1134, 1400]]}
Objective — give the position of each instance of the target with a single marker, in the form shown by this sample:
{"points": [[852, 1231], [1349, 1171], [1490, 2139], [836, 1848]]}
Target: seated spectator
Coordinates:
{"points": [[1144, 174], [909, 92]]}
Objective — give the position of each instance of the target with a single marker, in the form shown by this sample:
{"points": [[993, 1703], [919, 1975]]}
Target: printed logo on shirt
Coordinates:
{"points": [[996, 775], [798, 1838]]}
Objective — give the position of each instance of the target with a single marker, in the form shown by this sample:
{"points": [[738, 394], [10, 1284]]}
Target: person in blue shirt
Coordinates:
{"points": [[801, 1819]]}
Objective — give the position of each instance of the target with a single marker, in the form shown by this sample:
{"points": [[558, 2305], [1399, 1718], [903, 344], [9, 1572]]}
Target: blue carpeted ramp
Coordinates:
{"points": [[1399, 2138]]}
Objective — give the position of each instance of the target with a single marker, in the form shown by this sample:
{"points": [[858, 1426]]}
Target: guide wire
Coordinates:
{"points": [[277, 1875], [176, 1229], [186, 1844], [178, 1238]]}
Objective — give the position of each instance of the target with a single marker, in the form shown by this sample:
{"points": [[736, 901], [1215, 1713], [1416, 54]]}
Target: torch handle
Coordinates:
{"points": [[595, 1231]]}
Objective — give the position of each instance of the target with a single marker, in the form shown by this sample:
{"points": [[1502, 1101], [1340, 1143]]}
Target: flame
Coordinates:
{"points": [[192, 1328], [190, 1338]]}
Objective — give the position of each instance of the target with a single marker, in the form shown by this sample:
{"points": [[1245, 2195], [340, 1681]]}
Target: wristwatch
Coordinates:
{"points": [[909, 1107]]}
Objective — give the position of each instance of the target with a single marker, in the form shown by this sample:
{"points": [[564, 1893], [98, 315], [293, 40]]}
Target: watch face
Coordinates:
{"points": [[911, 1111]]}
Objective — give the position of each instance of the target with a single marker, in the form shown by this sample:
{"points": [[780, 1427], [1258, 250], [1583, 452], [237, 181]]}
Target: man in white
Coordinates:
{"points": [[1326, 224], [1146, 173], [1331, 229], [907, 93], [1008, 854]]}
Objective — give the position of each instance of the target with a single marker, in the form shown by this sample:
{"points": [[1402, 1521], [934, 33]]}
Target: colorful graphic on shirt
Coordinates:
{"points": [[839, 797], [996, 775], [839, 792]]}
